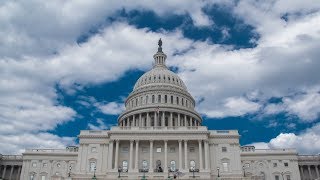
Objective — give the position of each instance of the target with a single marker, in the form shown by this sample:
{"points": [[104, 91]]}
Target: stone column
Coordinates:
{"points": [[110, 154], [134, 120], [131, 155], [180, 155], [301, 172], [165, 156], [163, 123], [171, 120], [206, 154], [148, 120], [105, 158], [11, 171], [185, 120], [179, 124], [116, 159], [19, 172], [200, 155], [155, 120], [137, 156], [151, 157], [186, 155], [317, 171], [4, 172], [309, 170], [140, 120]]}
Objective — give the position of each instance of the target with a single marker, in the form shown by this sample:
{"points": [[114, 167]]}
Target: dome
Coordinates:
{"points": [[159, 99], [160, 76]]}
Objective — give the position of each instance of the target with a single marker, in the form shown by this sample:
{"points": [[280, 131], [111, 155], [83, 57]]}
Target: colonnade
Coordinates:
{"points": [[133, 166], [9, 172], [159, 119], [306, 172]]}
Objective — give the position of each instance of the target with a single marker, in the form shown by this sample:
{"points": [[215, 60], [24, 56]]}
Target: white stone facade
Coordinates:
{"points": [[158, 135]]}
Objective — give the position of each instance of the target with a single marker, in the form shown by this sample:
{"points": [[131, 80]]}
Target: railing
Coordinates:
{"points": [[143, 170], [11, 157], [160, 128], [52, 150], [271, 150]]}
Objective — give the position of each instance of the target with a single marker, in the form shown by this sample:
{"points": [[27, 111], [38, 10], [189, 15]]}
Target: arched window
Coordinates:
{"points": [[147, 97], [152, 98], [136, 101], [164, 77], [182, 101], [125, 166], [192, 164], [177, 100], [141, 100], [145, 164], [187, 103], [171, 99], [165, 99], [173, 166], [159, 98]]}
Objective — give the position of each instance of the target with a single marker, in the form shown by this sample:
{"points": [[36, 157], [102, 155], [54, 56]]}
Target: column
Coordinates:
{"points": [[137, 156], [317, 171], [105, 157], [11, 172], [309, 170], [186, 155], [163, 123], [148, 119], [180, 155], [131, 155], [140, 120], [110, 154], [301, 172], [171, 120], [116, 159], [165, 156], [200, 155], [206, 153], [19, 172], [151, 157], [134, 120], [128, 121], [4, 171], [179, 124], [155, 119], [185, 120]]}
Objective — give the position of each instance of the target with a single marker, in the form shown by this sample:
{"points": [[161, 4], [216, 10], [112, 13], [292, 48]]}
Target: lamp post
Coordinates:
{"points": [[169, 172], [193, 170], [244, 171], [94, 174], [282, 175], [218, 171], [119, 170], [69, 174]]}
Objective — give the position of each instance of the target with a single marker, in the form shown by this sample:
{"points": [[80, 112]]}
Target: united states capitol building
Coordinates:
{"points": [[160, 135]]}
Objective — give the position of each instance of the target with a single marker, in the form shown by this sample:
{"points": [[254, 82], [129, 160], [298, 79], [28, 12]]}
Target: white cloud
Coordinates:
{"points": [[17, 143], [100, 125], [112, 108], [306, 142]]}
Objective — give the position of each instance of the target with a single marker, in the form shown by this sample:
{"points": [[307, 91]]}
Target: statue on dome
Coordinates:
{"points": [[160, 45]]}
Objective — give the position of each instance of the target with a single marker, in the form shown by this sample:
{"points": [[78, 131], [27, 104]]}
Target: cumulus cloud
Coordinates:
{"points": [[306, 142], [100, 125], [112, 108]]}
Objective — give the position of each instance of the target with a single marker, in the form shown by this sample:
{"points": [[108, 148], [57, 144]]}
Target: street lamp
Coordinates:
{"points": [[244, 171], [169, 172], [218, 171], [69, 174], [94, 174], [144, 169], [282, 175], [119, 170]]}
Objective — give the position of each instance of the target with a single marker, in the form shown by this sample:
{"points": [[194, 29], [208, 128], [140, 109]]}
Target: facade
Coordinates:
{"points": [[160, 135], [309, 166], [10, 166]]}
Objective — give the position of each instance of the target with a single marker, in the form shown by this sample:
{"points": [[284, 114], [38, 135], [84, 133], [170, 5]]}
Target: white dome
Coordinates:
{"points": [[159, 76]]}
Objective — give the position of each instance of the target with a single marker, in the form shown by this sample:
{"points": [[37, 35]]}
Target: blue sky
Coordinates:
{"points": [[251, 65]]}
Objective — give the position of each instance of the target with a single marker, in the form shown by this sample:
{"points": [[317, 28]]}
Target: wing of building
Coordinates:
{"points": [[160, 135]]}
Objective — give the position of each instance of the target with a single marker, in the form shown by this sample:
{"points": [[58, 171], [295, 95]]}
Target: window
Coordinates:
{"points": [[43, 177], [171, 99], [159, 98], [288, 177], [275, 164], [141, 100], [177, 100], [147, 99], [124, 149], [191, 149], [158, 149], [32, 177], [286, 164], [247, 165], [125, 166], [224, 149], [225, 167], [34, 164], [45, 165], [276, 177], [192, 164], [93, 149], [144, 164], [144, 149], [165, 99], [172, 166], [92, 166], [172, 149], [182, 102], [152, 98]]}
